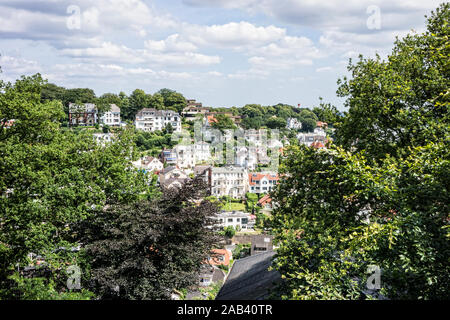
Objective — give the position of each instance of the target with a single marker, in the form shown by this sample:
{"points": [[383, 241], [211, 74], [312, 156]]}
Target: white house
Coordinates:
{"points": [[293, 123], [229, 181], [237, 219], [149, 164], [246, 157], [185, 155], [202, 152], [262, 182], [111, 117], [149, 119]]}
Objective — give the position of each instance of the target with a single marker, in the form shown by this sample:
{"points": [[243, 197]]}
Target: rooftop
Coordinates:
{"points": [[250, 279]]}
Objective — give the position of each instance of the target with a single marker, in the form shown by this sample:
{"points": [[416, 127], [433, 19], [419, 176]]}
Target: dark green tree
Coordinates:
{"points": [[148, 249]]}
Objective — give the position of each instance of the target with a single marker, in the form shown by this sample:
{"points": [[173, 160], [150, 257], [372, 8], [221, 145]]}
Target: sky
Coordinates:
{"points": [[222, 53]]}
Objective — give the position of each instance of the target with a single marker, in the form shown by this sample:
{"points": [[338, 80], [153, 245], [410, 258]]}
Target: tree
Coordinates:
{"points": [[276, 123], [229, 232], [346, 208], [173, 100], [50, 178], [147, 249], [157, 101], [308, 125], [402, 101], [138, 100], [223, 122], [327, 113]]}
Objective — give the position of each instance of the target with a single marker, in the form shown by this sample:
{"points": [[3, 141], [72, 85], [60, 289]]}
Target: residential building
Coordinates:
{"points": [[246, 157], [169, 156], [149, 119], [309, 138], [262, 182], [256, 137], [172, 172], [185, 156], [219, 257], [83, 115], [204, 171], [193, 109], [237, 219], [321, 124], [149, 163], [210, 275], [229, 181], [293, 124], [261, 243], [202, 152], [171, 177], [266, 204], [111, 117]]}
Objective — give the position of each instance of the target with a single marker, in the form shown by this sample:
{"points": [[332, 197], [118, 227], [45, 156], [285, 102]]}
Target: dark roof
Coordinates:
{"points": [[249, 278]]}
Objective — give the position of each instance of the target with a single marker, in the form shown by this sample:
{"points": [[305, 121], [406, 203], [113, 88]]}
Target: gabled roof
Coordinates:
{"points": [[253, 177], [250, 279], [265, 199]]}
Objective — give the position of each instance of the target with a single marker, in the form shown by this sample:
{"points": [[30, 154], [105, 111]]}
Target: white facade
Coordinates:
{"points": [[229, 181], [293, 123], [111, 117], [149, 164], [246, 157], [309, 138], [185, 156], [262, 182], [190, 155], [236, 219], [153, 120]]}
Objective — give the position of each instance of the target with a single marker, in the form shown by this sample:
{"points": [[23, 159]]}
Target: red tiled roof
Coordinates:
{"points": [[211, 119], [252, 177], [265, 199], [317, 145], [214, 260]]}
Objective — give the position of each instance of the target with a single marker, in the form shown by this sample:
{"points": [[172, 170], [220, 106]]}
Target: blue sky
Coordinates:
{"points": [[220, 52]]}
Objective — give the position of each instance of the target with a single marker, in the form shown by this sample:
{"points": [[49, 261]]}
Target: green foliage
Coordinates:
{"points": [[327, 113], [43, 289], [148, 249], [223, 122], [51, 178], [157, 141], [241, 251], [229, 232], [381, 198], [402, 101], [172, 100], [276, 123]]}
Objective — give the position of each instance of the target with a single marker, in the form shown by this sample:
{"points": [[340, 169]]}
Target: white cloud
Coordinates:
{"points": [[17, 66], [324, 69], [233, 34], [108, 51], [171, 44]]}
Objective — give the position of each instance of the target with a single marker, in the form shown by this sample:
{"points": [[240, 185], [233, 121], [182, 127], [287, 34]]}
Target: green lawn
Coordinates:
{"points": [[233, 206]]}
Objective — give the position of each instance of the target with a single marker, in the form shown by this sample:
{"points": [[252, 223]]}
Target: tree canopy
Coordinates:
{"points": [[378, 197]]}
